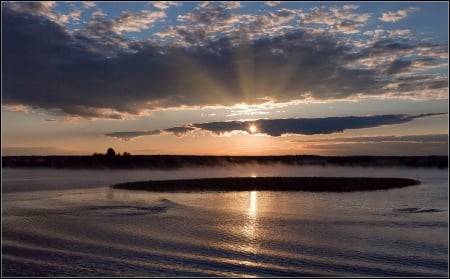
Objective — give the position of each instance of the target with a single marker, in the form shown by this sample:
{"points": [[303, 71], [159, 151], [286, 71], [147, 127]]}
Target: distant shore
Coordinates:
{"points": [[311, 184], [169, 162]]}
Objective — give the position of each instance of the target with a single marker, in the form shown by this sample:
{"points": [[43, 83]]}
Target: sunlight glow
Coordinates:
{"points": [[253, 129]]}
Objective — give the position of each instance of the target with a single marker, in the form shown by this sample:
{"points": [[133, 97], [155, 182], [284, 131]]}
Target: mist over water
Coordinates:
{"points": [[70, 223], [16, 179]]}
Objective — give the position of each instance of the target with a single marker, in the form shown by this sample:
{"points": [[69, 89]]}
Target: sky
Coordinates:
{"points": [[225, 78]]}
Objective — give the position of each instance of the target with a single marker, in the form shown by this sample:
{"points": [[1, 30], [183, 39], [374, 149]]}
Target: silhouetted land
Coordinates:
{"points": [[312, 184], [99, 161]]}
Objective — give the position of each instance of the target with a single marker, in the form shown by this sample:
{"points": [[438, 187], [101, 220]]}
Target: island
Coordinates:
{"points": [[311, 184]]}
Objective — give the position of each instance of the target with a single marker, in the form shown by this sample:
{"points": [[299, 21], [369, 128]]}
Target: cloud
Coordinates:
{"points": [[179, 131], [431, 138], [212, 21], [272, 3], [397, 15], [400, 33], [232, 5], [308, 126], [43, 8], [18, 107], [279, 127], [127, 22], [131, 135], [213, 58], [75, 15], [104, 36], [98, 15], [163, 5], [398, 66], [425, 145], [338, 19], [126, 136], [47, 10], [88, 4]]}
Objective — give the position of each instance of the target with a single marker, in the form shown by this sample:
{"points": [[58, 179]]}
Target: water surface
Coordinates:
{"points": [[70, 223]]}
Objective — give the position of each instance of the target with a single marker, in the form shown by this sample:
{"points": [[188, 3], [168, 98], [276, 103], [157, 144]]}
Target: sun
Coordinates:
{"points": [[252, 128]]}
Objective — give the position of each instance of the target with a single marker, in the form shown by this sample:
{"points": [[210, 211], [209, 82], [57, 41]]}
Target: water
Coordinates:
{"points": [[70, 223]]}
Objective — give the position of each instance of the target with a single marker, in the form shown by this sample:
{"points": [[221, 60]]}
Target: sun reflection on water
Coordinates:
{"points": [[253, 204], [250, 225]]}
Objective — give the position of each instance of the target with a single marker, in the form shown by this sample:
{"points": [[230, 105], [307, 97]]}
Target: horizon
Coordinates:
{"points": [[120, 154], [225, 78]]}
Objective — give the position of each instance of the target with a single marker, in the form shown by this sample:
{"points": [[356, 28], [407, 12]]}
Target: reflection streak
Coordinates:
{"points": [[250, 226]]}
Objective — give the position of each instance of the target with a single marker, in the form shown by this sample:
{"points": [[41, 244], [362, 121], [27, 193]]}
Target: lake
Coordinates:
{"points": [[70, 223]]}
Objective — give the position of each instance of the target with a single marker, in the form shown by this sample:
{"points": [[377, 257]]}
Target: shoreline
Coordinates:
{"points": [[173, 162], [310, 184]]}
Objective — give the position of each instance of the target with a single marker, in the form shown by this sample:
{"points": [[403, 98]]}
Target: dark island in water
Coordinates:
{"points": [[312, 184]]}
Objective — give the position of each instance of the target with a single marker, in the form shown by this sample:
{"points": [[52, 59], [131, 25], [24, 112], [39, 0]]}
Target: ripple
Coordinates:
{"points": [[417, 210], [125, 210]]}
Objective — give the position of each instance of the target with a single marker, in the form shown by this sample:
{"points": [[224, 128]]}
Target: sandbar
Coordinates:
{"points": [[311, 184]]}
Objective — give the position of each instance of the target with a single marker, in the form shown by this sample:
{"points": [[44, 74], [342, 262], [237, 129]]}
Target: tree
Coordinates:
{"points": [[110, 152]]}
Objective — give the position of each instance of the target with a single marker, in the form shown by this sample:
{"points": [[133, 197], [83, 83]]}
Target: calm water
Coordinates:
{"points": [[70, 223]]}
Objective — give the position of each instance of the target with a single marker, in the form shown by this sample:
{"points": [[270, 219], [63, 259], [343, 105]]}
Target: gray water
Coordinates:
{"points": [[70, 223]]}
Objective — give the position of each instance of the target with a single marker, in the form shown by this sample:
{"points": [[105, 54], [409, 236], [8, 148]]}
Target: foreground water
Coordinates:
{"points": [[70, 223]]}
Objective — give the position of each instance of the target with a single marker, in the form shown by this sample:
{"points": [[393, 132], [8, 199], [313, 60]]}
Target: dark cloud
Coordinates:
{"points": [[308, 126], [37, 8], [130, 135], [179, 131], [96, 73], [278, 127], [397, 66]]}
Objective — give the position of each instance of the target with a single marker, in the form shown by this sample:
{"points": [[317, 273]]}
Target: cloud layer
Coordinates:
{"points": [[434, 144], [279, 127], [397, 15], [280, 56]]}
